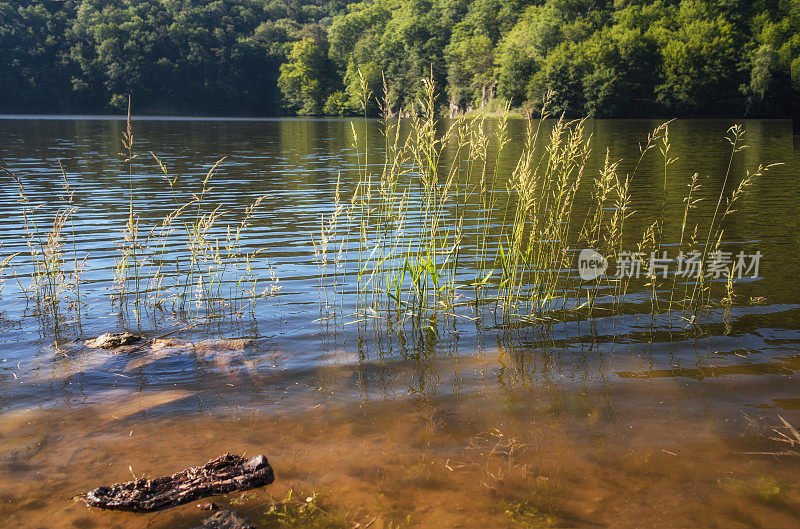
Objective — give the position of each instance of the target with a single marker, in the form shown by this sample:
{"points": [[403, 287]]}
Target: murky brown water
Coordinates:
{"points": [[656, 453], [617, 423]]}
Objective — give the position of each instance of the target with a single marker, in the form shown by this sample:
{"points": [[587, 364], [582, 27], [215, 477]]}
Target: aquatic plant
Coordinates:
{"points": [[213, 277], [535, 255], [215, 271], [51, 280], [526, 514], [128, 264], [436, 232], [4, 264], [302, 510], [437, 222]]}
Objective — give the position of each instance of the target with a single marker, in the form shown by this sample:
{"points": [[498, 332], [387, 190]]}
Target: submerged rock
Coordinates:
{"points": [[228, 344], [122, 405], [228, 355], [170, 343], [225, 519], [111, 340], [160, 349]]}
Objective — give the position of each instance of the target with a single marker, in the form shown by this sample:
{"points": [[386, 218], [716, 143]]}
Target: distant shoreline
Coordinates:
{"points": [[469, 115]]}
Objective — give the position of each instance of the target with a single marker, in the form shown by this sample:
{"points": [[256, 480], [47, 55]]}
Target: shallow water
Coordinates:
{"points": [[617, 422]]}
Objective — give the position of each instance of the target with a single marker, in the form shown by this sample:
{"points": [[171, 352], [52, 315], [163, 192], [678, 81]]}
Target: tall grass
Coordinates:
{"points": [[4, 265], [439, 226], [212, 274], [215, 270], [54, 286], [438, 219], [535, 252], [128, 263]]}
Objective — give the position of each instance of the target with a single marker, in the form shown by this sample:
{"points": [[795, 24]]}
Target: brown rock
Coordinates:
{"points": [[111, 340], [225, 519]]}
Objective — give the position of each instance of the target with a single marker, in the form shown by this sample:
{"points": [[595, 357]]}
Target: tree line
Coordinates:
{"points": [[600, 58]]}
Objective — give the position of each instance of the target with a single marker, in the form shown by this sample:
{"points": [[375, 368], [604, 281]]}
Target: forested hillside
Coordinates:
{"points": [[604, 58]]}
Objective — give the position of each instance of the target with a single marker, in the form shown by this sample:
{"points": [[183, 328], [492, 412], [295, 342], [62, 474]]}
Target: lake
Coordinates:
{"points": [[593, 405]]}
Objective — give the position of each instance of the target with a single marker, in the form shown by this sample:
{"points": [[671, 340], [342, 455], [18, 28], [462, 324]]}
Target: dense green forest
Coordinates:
{"points": [[603, 58]]}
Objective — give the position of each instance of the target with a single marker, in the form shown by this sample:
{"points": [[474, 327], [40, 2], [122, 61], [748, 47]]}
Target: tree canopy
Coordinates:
{"points": [[602, 58]]}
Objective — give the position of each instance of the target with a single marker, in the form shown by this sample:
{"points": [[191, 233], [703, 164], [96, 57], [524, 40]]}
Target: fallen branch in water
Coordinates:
{"points": [[227, 473]]}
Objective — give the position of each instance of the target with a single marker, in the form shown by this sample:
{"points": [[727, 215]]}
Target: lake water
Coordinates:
{"points": [[457, 419]]}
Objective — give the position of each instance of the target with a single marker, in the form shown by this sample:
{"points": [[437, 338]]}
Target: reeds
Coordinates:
{"points": [[54, 286], [709, 252], [411, 219], [214, 273], [442, 221], [4, 265], [407, 246], [438, 227], [213, 276], [128, 264], [535, 251]]}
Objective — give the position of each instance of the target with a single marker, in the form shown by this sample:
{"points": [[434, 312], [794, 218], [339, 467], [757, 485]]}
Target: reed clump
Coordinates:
{"points": [[443, 216], [54, 281], [534, 248], [213, 275], [195, 264], [439, 227]]}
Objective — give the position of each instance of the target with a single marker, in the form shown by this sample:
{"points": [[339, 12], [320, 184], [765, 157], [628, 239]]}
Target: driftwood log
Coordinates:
{"points": [[227, 473]]}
